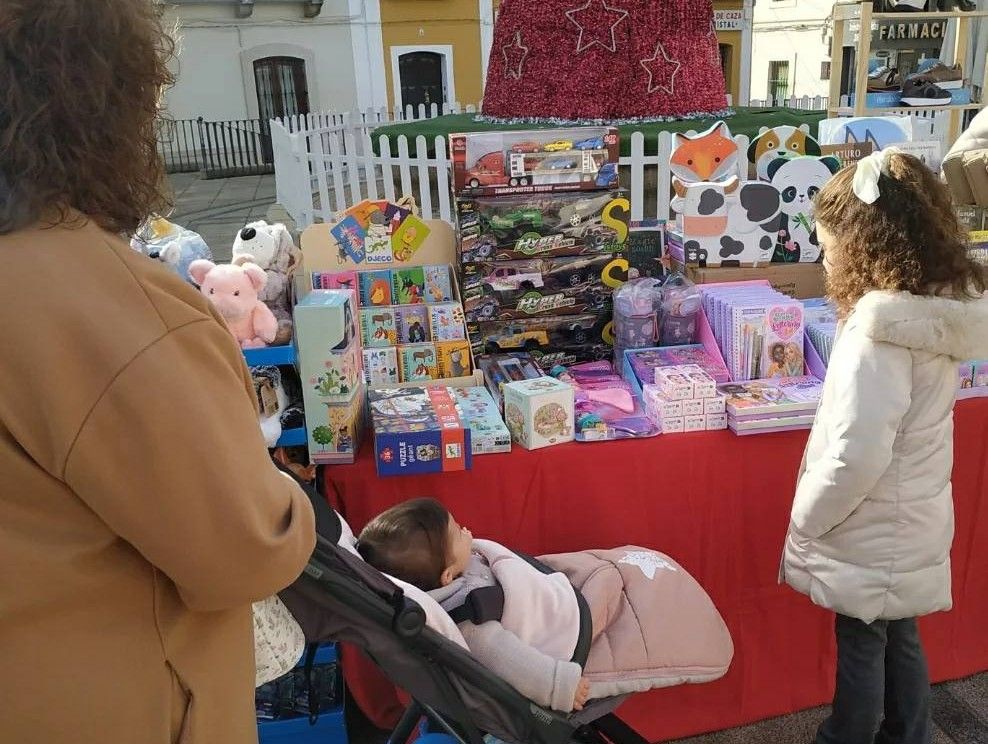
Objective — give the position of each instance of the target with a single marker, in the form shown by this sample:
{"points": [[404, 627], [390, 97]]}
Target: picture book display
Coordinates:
{"points": [[413, 314], [378, 233]]}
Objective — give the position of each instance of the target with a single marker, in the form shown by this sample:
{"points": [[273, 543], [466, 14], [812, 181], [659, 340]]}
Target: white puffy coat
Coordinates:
{"points": [[872, 521]]}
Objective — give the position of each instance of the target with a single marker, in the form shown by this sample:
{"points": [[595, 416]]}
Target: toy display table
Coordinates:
{"points": [[746, 121], [719, 505]]}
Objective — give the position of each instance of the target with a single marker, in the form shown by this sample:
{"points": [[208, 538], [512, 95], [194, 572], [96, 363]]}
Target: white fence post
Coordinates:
{"points": [[637, 168]]}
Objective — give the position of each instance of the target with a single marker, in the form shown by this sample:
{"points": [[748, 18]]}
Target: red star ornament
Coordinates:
{"points": [[661, 70], [596, 21]]}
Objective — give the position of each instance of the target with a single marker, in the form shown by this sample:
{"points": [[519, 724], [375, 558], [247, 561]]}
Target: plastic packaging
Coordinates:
{"points": [[637, 314]]}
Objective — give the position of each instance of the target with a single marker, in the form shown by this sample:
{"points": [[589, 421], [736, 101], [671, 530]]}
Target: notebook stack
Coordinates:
{"points": [[822, 336], [765, 406]]}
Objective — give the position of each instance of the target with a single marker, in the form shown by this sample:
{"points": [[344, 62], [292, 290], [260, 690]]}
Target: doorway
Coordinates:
{"points": [[422, 76], [282, 87]]}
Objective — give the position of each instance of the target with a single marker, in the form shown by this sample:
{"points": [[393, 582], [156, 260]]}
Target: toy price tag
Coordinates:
{"points": [[848, 153]]}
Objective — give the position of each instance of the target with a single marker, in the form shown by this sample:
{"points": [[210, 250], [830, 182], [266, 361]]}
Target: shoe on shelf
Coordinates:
{"points": [[922, 92], [884, 79], [948, 78]]}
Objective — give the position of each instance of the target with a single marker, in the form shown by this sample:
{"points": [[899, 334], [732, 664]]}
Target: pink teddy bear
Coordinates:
{"points": [[233, 289]]}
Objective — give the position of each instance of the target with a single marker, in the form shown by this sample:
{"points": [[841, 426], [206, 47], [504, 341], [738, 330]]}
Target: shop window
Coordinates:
{"points": [[778, 82]]}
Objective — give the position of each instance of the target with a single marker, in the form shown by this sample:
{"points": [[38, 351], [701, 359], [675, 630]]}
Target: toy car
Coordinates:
{"points": [[607, 175], [527, 146], [503, 222], [517, 337], [508, 279], [593, 143], [573, 273], [559, 164], [576, 213], [558, 146]]}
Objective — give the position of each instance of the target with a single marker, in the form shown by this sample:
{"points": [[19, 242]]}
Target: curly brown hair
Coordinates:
{"points": [[908, 241], [80, 86]]}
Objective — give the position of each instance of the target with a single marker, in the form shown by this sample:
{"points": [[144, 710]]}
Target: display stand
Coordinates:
{"points": [[864, 14]]}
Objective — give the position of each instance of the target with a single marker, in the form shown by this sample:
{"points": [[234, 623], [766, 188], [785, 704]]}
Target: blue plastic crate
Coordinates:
{"points": [[330, 728], [278, 356]]}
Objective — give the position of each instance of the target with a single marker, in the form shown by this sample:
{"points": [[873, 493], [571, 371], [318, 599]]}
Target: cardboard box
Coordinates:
{"points": [[716, 421], [801, 281], [418, 430], [539, 412], [543, 160], [329, 364], [510, 290], [488, 434], [551, 339], [715, 405], [694, 423], [508, 228], [693, 407]]}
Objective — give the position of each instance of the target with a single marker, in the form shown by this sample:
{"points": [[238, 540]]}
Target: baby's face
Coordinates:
{"points": [[460, 542]]}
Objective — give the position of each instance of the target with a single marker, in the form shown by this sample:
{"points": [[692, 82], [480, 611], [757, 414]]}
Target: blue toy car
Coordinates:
{"points": [[593, 143], [559, 163], [607, 176]]}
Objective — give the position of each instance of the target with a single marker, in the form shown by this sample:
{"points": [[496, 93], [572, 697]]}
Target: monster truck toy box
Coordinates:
{"points": [[507, 228], [553, 340], [508, 290], [418, 430], [526, 162]]}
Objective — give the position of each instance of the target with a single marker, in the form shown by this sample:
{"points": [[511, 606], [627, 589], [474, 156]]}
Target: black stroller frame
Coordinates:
{"points": [[339, 597]]}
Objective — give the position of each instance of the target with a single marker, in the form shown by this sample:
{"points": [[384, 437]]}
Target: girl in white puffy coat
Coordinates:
{"points": [[872, 520]]}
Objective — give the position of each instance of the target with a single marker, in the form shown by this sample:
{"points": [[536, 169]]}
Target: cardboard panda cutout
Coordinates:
{"points": [[799, 180], [780, 142]]}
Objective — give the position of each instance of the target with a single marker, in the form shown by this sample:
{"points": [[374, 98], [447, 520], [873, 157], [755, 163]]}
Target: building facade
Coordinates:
{"points": [[791, 51], [258, 59]]}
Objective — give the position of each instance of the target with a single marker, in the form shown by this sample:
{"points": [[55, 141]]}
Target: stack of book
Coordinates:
{"points": [[764, 406], [822, 336]]}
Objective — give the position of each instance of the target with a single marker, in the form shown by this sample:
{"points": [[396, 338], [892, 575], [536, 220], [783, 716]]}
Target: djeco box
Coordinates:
{"points": [[418, 430], [329, 363], [539, 412]]}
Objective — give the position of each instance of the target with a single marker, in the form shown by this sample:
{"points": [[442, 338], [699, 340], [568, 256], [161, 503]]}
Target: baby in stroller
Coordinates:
{"points": [[524, 623]]}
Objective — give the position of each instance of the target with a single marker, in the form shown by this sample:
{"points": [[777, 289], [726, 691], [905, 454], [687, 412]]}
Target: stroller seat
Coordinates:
{"points": [[339, 597]]}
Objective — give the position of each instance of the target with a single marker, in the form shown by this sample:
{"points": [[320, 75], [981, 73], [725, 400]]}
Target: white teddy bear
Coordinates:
{"points": [[274, 251]]}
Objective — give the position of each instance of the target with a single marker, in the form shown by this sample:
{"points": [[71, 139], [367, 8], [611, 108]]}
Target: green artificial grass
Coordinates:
{"points": [[747, 121]]}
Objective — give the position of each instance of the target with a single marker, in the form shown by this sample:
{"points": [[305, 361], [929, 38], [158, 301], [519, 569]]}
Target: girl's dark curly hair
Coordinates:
{"points": [[907, 241], [80, 85]]}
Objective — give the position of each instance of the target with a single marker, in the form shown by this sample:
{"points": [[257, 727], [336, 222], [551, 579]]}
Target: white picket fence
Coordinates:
{"points": [[327, 162]]}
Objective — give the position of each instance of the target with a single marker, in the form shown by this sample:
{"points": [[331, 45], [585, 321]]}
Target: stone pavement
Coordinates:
{"points": [[218, 208], [960, 716]]}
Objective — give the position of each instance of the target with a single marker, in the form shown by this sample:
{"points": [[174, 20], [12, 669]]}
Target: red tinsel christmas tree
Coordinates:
{"points": [[604, 60]]}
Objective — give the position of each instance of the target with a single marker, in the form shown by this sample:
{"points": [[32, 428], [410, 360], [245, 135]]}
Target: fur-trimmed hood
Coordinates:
{"points": [[954, 328]]}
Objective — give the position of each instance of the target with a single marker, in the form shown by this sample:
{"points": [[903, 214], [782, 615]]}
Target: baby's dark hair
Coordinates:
{"points": [[909, 240], [409, 542]]}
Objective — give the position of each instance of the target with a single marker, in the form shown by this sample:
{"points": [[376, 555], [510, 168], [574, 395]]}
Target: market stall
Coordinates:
{"points": [[718, 504]]}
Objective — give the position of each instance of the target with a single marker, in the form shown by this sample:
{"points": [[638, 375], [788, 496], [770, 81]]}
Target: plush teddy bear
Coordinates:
{"points": [[173, 245], [233, 289], [274, 251]]}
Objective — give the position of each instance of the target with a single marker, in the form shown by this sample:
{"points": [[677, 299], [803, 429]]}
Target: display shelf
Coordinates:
{"points": [[278, 356], [850, 111], [864, 14]]}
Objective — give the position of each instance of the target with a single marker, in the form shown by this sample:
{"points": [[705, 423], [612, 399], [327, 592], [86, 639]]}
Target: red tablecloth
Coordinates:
{"points": [[719, 505]]}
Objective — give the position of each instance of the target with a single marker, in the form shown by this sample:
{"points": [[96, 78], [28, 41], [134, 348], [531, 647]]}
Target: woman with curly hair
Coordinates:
{"points": [[872, 520], [140, 514]]}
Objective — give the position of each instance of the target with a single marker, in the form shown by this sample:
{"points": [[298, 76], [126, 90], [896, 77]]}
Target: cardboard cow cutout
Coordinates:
{"points": [[727, 223], [780, 142]]}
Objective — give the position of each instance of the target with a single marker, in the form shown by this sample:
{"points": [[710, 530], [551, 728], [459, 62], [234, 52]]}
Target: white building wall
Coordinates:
{"points": [[795, 31], [217, 51]]}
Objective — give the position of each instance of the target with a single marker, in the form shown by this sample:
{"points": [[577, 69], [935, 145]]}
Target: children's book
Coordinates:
{"points": [[375, 288], [413, 324], [772, 398], [378, 327], [418, 363], [447, 322]]}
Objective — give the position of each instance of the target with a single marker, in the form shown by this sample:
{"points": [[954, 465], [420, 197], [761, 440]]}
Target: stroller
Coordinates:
{"points": [[340, 597]]}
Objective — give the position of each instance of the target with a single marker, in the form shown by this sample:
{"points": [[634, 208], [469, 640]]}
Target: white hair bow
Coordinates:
{"points": [[868, 171]]}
